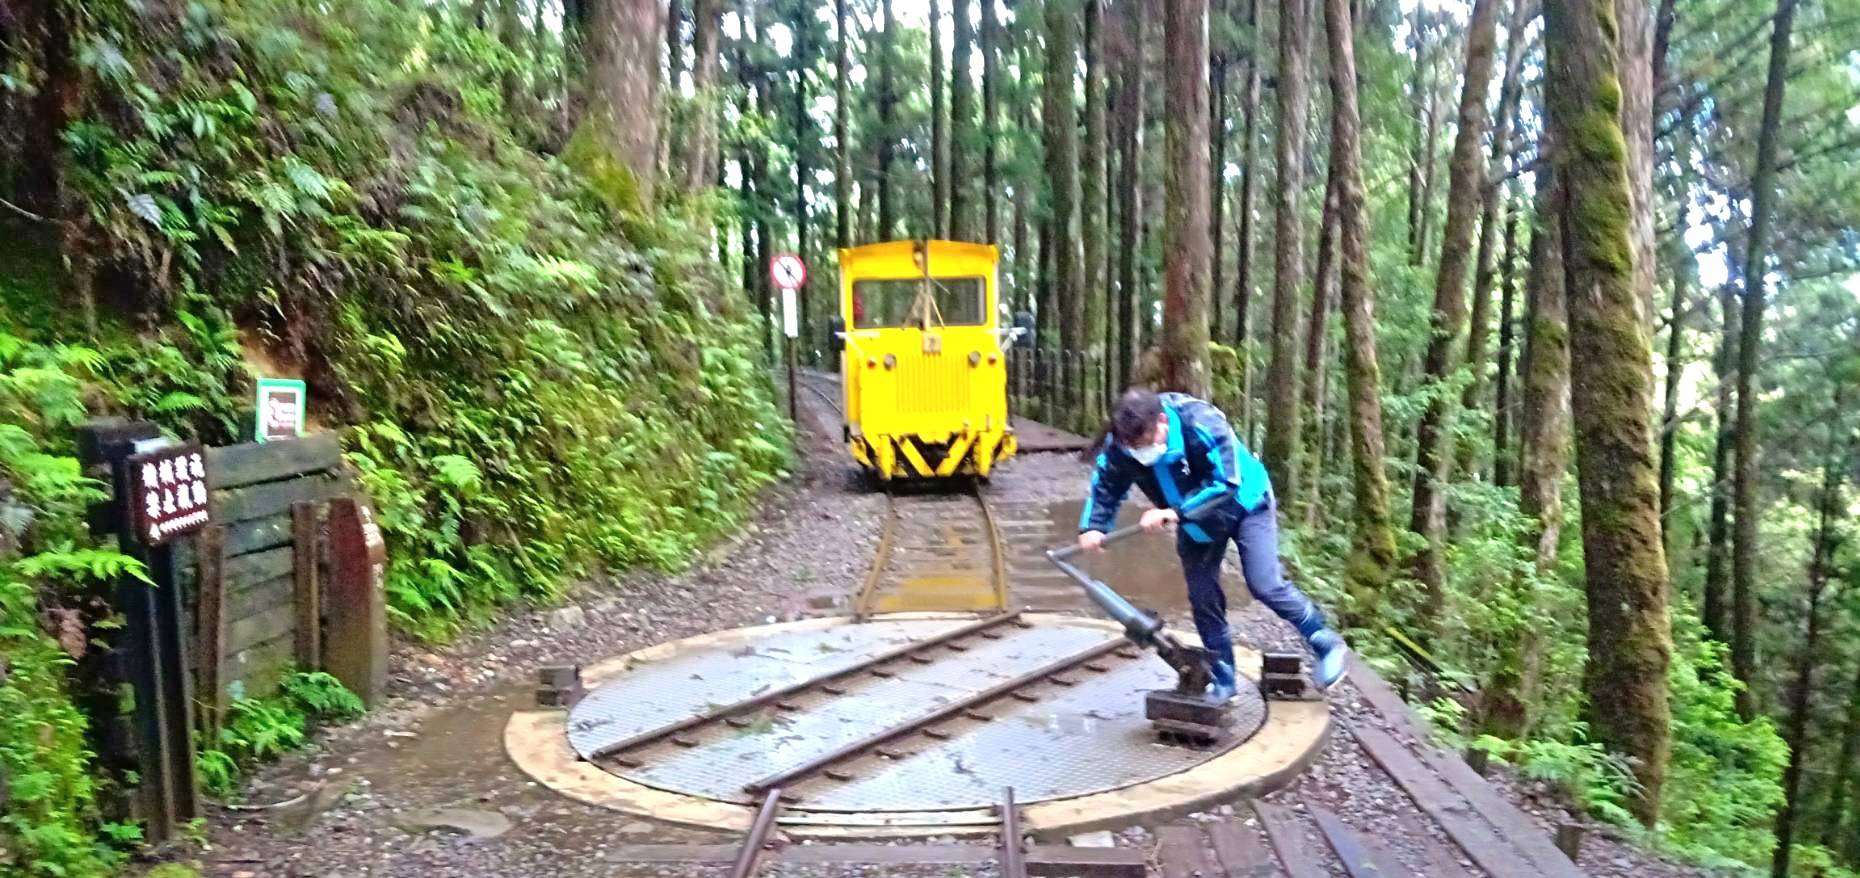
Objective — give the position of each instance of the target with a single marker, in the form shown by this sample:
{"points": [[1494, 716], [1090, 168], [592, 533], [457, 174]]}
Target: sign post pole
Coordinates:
{"points": [[789, 274]]}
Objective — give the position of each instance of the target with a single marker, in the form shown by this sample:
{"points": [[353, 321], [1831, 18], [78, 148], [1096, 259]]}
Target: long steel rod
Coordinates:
{"points": [[771, 697], [1013, 859], [750, 856], [953, 709]]}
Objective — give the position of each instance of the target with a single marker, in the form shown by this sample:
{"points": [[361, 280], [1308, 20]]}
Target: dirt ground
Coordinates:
{"points": [[361, 800]]}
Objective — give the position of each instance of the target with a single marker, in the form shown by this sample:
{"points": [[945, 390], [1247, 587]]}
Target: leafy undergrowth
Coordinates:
{"points": [[256, 729], [539, 386]]}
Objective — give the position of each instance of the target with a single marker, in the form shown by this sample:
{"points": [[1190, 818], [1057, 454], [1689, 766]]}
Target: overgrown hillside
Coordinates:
{"points": [[538, 384]]}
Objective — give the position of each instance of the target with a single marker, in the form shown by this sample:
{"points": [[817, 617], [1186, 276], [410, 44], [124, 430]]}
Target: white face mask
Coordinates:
{"points": [[1148, 454]]}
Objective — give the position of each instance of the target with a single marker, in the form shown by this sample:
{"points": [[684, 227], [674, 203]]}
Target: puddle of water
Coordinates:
{"points": [[1144, 569]]}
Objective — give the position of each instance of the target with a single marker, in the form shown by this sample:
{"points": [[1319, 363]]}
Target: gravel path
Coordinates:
{"points": [[436, 745]]}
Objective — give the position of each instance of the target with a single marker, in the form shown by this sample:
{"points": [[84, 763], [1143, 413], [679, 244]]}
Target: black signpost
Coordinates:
{"points": [[159, 493]]}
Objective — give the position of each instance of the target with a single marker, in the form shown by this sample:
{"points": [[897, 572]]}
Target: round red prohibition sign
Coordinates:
{"points": [[787, 271]]}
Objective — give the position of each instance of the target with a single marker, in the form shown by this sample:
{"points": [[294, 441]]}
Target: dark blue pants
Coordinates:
{"points": [[1257, 535]]}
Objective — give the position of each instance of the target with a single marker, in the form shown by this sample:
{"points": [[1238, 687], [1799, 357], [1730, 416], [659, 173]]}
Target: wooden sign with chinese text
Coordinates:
{"points": [[168, 493]]}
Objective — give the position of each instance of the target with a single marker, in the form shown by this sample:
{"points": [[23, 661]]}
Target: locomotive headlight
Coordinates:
{"points": [[891, 361], [975, 358], [871, 363], [992, 359]]}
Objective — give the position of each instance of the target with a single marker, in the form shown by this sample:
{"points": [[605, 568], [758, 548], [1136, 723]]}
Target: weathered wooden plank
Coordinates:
{"points": [[210, 629], [1524, 833], [254, 599], [1180, 853], [1383, 697], [306, 591], [236, 466], [1297, 855], [272, 498], [252, 630], [1360, 859], [1241, 852], [258, 567], [1480, 841], [258, 534], [257, 669], [1055, 861]]}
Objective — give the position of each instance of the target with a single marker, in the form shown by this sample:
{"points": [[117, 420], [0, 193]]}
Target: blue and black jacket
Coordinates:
{"points": [[1204, 461]]}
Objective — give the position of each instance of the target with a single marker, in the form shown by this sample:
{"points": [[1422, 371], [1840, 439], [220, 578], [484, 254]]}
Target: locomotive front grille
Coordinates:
{"points": [[933, 384]]}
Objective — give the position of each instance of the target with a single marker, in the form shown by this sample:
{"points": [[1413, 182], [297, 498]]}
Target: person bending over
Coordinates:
{"points": [[1184, 456]]}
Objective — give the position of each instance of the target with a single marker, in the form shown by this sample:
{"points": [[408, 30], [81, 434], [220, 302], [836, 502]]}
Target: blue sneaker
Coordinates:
{"points": [[1223, 689], [1332, 658]]}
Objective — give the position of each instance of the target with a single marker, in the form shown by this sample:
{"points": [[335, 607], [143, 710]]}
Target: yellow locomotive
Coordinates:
{"points": [[923, 369]]}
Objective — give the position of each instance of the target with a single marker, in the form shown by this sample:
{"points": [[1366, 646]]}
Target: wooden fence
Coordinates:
{"points": [[286, 574]]}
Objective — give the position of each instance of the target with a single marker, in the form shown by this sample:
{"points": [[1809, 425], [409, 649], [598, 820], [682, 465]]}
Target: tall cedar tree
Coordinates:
{"points": [[1755, 268], [1130, 194], [1466, 179], [1485, 262], [1716, 603], [1092, 211], [623, 53], [1288, 240], [1217, 163], [1243, 246], [803, 60], [1543, 426], [939, 131], [1841, 787], [1821, 574], [887, 120], [1502, 414], [991, 123], [1315, 389], [961, 123], [1372, 548], [1611, 393], [1062, 167], [842, 133], [1634, 23], [700, 159], [1186, 247]]}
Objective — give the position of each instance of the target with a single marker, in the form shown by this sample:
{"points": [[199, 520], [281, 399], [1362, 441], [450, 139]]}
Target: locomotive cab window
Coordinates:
{"points": [[952, 301]]}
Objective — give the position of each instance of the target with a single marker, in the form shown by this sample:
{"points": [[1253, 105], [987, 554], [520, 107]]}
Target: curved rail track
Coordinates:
{"points": [[939, 548]]}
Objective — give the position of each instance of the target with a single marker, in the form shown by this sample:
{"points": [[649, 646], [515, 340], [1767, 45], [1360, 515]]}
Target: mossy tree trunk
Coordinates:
{"points": [[1755, 268], [1217, 164], [1092, 194], [1420, 93], [1543, 425], [1634, 26], [1288, 248], [1611, 381], [1372, 555], [617, 141], [1433, 459], [1186, 246], [961, 123]]}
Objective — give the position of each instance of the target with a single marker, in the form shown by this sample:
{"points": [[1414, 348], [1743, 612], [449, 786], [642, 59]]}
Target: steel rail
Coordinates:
{"points": [[997, 550], [1013, 859], [607, 751], [756, 842], [881, 558], [960, 707]]}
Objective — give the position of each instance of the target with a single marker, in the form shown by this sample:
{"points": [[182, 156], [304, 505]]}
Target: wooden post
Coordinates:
{"points": [[210, 628], [306, 592], [355, 648]]}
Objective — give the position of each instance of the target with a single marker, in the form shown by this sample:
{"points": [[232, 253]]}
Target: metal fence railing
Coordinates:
{"points": [[1064, 388]]}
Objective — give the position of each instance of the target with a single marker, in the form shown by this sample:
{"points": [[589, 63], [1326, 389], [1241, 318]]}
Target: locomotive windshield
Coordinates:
{"points": [[886, 304]]}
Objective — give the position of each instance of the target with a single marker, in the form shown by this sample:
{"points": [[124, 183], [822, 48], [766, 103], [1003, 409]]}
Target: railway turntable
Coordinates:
{"points": [[907, 724]]}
